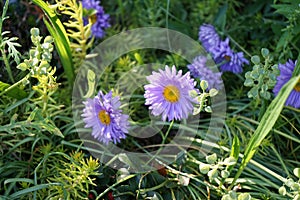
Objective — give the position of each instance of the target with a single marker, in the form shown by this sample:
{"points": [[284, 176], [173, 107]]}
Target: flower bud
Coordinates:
{"points": [[204, 168], [225, 174], [22, 66], [212, 174], [211, 158], [282, 190]]}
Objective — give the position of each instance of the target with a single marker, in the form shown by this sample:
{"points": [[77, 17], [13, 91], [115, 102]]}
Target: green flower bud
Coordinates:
{"points": [[212, 174], [225, 174], [204, 168], [213, 92], [47, 46], [204, 85], [48, 39], [230, 161], [265, 52], [255, 59], [35, 32], [226, 197], [232, 194], [193, 93], [44, 64], [244, 196], [295, 187], [208, 109], [22, 66], [289, 182], [211, 158], [297, 172], [34, 62], [282, 190]]}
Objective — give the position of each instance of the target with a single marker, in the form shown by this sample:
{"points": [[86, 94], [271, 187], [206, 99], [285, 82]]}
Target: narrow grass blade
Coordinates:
{"points": [[19, 194], [267, 122], [15, 92]]}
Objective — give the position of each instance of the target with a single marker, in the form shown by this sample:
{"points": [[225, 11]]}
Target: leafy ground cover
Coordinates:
{"points": [[149, 99]]}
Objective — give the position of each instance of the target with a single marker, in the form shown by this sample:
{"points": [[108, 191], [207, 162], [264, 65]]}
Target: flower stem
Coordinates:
{"points": [[237, 44], [15, 85], [7, 66]]}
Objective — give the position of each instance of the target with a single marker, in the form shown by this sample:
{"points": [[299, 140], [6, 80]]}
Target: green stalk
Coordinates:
{"points": [[7, 66], [15, 85]]}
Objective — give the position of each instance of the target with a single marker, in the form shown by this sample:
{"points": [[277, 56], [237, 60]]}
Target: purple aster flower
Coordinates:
{"points": [[168, 94], [100, 20], [209, 37], [199, 70], [103, 115], [228, 59], [286, 71]]}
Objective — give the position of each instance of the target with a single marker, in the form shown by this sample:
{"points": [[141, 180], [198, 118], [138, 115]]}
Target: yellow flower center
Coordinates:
{"points": [[297, 86], [171, 93], [104, 117], [228, 58], [93, 18]]}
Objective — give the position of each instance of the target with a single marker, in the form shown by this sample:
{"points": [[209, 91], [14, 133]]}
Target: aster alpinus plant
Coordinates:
{"points": [[168, 94], [223, 55], [103, 115], [286, 72], [200, 69]]}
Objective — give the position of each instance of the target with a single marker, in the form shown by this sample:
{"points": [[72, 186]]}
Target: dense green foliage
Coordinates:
{"points": [[42, 156]]}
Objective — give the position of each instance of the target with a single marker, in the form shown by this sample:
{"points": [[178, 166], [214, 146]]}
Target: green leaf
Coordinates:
{"points": [[13, 180], [17, 195], [49, 127], [235, 148], [36, 113], [283, 9], [91, 77], [220, 20], [18, 103], [267, 122], [61, 39], [15, 92]]}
